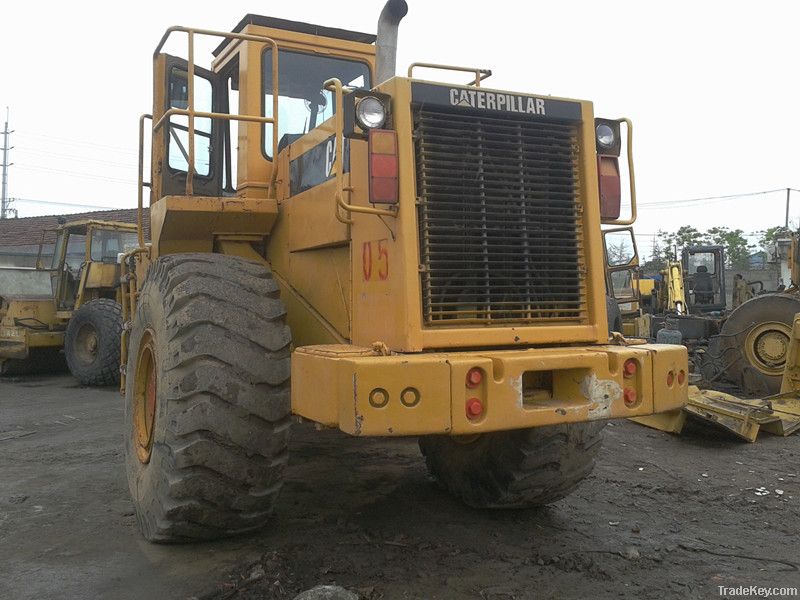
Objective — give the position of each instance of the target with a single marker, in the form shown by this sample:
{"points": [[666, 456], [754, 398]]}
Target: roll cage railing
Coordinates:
{"points": [[192, 114]]}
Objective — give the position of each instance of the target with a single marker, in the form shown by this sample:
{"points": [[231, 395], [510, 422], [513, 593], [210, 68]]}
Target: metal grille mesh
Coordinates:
{"points": [[499, 219]]}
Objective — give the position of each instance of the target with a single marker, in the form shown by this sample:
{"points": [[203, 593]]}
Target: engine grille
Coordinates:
{"points": [[499, 219]]}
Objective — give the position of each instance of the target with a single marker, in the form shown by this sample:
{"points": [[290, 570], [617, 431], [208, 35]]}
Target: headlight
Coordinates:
{"points": [[370, 113], [605, 135]]}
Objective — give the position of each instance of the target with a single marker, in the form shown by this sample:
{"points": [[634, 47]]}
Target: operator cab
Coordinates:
{"points": [[704, 268], [227, 159]]}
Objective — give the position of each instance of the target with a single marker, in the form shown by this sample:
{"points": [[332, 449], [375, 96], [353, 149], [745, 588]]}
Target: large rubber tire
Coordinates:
{"points": [[752, 342], [210, 337], [514, 469], [92, 343]]}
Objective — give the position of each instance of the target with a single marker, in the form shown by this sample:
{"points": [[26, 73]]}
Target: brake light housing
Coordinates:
{"points": [[383, 167]]}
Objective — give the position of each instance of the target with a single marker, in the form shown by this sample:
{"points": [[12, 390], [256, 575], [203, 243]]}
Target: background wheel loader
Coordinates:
{"points": [[419, 258], [73, 304]]}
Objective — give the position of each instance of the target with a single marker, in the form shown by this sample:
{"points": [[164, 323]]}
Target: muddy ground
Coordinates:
{"points": [[661, 517]]}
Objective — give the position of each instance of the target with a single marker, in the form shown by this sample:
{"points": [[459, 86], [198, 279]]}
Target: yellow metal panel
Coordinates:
{"points": [[575, 384], [390, 309], [189, 224], [351, 377], [101, 275], [311, 219], [322, 279]]}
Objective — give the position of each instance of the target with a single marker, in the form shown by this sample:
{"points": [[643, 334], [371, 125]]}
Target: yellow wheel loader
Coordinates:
{"points": [[386, 255], [72, 304]]}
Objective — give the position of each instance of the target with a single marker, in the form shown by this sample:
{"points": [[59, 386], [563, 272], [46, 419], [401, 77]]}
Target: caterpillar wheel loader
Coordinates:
{"points": [[71, 305], [386, 255]]}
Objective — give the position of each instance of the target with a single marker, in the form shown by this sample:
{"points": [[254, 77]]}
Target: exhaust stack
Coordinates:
{"points": [[386, 44]]}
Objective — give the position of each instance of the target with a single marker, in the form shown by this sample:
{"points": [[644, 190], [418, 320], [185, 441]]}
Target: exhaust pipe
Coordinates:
{"points": [[386, 44]]}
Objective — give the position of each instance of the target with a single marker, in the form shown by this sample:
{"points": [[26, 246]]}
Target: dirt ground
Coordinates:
{"points": [[661, 517]]}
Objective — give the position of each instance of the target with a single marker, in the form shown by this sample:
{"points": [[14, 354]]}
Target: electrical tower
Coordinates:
{"points": [[4, 199]]}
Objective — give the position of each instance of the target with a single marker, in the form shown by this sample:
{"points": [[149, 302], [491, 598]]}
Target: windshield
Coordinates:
{"points": [[106, 244], [302, 103]]}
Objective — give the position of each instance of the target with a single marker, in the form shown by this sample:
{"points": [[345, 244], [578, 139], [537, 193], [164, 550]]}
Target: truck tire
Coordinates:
{"points": [[207, 406], [92, 342], [752, 344], [521, 468]]}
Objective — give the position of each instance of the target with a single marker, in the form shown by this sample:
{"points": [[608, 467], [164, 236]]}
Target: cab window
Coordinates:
{"points": [[302, 103], [107, 244]]}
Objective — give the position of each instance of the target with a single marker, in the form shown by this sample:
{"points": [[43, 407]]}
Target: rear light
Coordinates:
{"points": [[670, 378], [681, 377], [629, 396], [610, 187], [474, 408], [383, 169], [629, 368], [474, 377]]}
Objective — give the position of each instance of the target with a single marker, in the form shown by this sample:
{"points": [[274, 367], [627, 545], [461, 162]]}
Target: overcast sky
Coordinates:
{"points": [[712, 88]]}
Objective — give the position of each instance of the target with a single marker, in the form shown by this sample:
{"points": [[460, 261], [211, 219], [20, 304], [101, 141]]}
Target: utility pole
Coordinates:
{"points": [[4, 200], [788, 193]]}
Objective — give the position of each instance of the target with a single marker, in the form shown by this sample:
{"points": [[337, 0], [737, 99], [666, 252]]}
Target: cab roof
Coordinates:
{"points": [[299, 27], [81, 226]]}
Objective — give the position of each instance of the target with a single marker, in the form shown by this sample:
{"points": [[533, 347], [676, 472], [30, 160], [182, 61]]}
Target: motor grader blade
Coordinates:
{"points": [[742, 417]]}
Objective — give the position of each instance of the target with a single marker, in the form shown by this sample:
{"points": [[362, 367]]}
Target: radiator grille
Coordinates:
{"points": [[499, 219]]}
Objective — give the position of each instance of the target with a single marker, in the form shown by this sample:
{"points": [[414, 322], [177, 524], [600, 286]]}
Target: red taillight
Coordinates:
{"points": [[629, 368], [629, 396], [474, 408], [474, 377], [670, 378], [383, 169], [610, 187], [681, 377]]}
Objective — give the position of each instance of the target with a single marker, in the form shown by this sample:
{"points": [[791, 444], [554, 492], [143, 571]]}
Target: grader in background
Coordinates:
{"points": [[71, 304], [419, 258]]}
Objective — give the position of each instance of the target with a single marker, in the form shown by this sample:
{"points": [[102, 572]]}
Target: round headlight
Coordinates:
{"points": [[370, 112], [605, 135]]}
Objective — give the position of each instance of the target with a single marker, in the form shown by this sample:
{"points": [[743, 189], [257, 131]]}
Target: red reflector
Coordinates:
{"points": [[383, 167], [681, 377], [474, 408], [474, 377], [629, 369], [610, 187], [670, 379], [630, 396]]}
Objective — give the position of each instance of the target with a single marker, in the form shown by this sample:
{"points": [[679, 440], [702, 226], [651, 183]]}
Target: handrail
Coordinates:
{"points": [[631, 177], [480, 74], [192, 114], [338, 121], [140, 183]]}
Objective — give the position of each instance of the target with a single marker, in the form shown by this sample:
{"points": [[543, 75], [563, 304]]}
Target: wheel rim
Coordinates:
{"points": [[145, 392], [86, 344], [766, 347]]}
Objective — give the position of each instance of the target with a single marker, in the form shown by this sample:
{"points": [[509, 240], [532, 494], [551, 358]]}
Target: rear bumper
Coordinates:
{"points": [[16, 342], [362, 393]]}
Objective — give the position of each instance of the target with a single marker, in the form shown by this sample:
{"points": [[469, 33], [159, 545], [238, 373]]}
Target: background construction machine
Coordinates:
{"points": [[744, 346], [71, 304], [429, 255]]}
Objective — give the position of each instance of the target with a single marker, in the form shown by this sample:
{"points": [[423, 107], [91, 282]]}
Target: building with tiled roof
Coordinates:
{"points": [[19, 238]]}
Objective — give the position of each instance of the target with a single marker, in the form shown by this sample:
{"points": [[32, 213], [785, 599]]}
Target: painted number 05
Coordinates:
{"points": [[375, 260]]}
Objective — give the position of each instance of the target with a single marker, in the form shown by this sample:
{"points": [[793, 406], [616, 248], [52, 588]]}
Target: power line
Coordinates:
{"points": [[76, 142], [74, 174], [672, 203], [61, 203], [73, 157]]}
